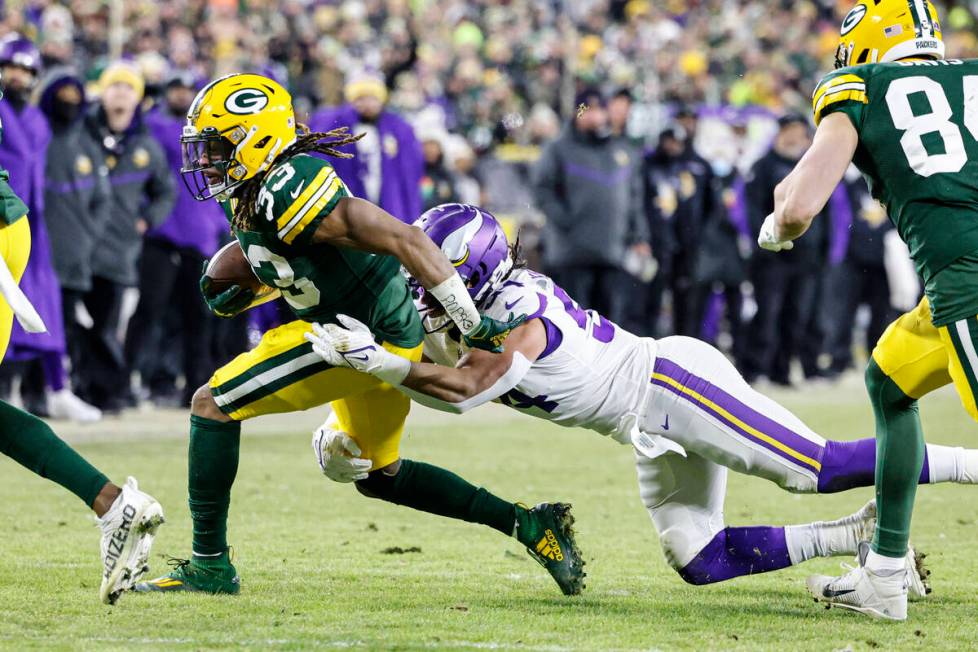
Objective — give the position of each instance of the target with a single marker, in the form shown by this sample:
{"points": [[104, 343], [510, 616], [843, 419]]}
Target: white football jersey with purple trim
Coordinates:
{"points": [[592, 374]]}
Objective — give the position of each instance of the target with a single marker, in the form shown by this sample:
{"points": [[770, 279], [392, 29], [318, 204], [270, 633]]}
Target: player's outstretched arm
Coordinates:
{"points": [[802, 194], [361, 225], [478, 378]]}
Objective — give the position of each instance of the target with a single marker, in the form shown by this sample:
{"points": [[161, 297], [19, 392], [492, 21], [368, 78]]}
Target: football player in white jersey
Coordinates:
{"points": [[678, 401]]}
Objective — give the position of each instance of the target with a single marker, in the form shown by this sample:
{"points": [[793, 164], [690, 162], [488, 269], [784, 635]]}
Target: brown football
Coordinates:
{"points": [[229, 266]]}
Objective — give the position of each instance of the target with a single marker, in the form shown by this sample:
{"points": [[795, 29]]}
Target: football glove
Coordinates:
{"points": [[490, 334], [337, 453], [227, 303], [767, 240], [353, 345]]}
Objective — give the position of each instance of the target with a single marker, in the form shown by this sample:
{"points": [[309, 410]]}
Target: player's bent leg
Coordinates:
{"points": [[546, 530], [128, 517], [684, 497]]}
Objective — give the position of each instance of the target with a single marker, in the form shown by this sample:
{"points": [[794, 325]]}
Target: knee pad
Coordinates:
{"points": [[883, 390]]}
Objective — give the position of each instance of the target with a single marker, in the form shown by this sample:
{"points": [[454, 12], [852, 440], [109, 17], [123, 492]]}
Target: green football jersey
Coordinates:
{"points": [[319, 281], [918, 148]]}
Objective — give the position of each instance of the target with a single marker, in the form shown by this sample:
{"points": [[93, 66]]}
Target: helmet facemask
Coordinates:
{"points": [[209, 167]]}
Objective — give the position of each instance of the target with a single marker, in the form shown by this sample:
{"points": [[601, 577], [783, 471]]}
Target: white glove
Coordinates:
{"points": [[355, 347], [19, 303], [901, 275], [337, 453], [767, 240]]}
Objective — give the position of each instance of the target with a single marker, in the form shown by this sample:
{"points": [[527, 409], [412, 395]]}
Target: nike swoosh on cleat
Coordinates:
{"points": [[835, 593], [298, 189]]}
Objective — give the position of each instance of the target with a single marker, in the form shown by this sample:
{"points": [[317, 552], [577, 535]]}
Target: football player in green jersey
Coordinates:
{"points": [[326, 252], [908, 118], [128, 517]]}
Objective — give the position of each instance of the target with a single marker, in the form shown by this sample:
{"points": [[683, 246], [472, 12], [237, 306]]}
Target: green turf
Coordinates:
{"points": [[314, 574]]}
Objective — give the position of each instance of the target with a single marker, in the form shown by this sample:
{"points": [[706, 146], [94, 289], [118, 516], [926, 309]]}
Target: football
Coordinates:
{"points": [[229, 266]]}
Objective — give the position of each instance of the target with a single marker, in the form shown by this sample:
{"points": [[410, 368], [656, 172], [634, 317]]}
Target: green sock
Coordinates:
{"points": [[212, 466], [31, 442], [899, 457], [438, 491]]}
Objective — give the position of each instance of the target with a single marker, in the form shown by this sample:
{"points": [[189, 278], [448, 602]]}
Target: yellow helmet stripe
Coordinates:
{"points": [[285, 220], [312, 211]]}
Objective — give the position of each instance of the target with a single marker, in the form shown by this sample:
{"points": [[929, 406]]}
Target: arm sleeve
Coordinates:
{"points": [[842, 90], [304, 200]]}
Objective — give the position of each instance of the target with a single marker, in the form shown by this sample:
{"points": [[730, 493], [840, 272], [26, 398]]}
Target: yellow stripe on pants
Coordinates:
{"points": [[15, 247]]}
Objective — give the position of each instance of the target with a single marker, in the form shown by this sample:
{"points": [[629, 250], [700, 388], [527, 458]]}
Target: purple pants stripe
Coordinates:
{"points": [[755, 419]]}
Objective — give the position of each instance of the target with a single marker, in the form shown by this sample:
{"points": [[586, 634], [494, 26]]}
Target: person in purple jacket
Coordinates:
{"points": [[387, 165], [23, 151], [173, 253]]}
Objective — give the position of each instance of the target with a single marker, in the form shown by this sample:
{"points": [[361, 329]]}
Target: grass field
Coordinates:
{"points": [[315, 574]]}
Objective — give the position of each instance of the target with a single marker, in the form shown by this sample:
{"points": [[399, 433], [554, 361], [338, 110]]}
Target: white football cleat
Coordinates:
{"points": [[128, 530], [917, 574], [63, 404], [881, 594]]}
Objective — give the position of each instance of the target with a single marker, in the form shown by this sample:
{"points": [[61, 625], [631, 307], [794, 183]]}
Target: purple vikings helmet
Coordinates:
{"points": [[17, 50], [473, 240]]}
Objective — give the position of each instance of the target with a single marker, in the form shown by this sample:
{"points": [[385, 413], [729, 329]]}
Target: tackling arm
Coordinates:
{"points": [[802, 194], [479, 377], [358, 224]]}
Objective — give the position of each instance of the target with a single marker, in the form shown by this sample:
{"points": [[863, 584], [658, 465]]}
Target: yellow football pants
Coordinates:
{"points": [[284, 374], [15, 247], [921, 357]]}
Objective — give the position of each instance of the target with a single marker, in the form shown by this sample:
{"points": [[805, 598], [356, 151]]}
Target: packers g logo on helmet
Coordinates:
{"points": [[236, 127], [877, 31], [245, 101]]}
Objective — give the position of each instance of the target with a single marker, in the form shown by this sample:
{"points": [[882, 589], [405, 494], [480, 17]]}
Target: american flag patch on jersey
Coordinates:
{"points": [[893, 30]]}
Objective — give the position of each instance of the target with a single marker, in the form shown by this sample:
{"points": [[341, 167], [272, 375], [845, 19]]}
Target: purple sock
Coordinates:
{"points": [[736, 551], [851, 464]]}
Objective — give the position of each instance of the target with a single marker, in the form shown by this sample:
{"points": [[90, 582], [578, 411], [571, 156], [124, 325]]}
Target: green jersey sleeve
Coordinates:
{"points": [[297, 195], [841, 90]]}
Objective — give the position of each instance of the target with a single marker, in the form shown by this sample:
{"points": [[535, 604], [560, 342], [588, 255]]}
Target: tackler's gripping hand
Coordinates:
{"points": [[228, 303], [490, 334], [767, 239]]}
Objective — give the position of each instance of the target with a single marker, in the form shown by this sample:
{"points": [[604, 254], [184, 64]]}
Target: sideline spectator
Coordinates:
{"points": [[142, 196], [76, 199], [785, 285], [589, 187], [23, 152], [387, 165]]}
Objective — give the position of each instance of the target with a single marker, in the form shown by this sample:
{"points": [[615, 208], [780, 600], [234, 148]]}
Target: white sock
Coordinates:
{"points": [[878, 562], [802, 542], [952, 464]]}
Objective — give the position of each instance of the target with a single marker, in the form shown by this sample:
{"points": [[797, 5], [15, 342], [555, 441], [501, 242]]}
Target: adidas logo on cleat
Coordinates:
{"points": [[549, 548], [118, 541]]}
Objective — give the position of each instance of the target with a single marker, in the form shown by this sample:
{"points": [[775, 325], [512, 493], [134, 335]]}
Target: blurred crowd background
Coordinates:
{"points": [[633, 145]]}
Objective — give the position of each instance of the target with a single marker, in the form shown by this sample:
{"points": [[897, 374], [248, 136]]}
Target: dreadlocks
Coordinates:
{"points": [[323, 142]]}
